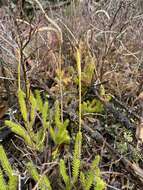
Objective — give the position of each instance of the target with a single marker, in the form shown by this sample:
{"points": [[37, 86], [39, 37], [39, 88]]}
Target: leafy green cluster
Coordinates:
{"points": [[59, 133], [94, 106], [32, 107], [8, 171], [34, 140], [42, 180], [70, 182], [36, 107], [93, 177]]}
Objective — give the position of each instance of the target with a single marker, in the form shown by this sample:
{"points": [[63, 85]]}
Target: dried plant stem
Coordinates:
{"points": [[52, 22], [60, 37]]}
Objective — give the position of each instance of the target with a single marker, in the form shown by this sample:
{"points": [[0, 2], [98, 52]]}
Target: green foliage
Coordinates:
{"points": [[76, 157], [2, 182], [125, 146], [78, 62], [33, 139], [7, 169], [92, 177], [59, 134], [42, 180], [94, 106], [33, 106], [69, 182], [88, 71], [87, 181], [39, 101], [22, 105], [33, 103], [124, 141], [19, 130], [36, 139], [128, 136], [99, 183], [5, 163], [64, 175]]}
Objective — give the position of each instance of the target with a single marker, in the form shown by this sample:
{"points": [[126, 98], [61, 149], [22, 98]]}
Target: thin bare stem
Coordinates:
{"points": [[52, 22]]}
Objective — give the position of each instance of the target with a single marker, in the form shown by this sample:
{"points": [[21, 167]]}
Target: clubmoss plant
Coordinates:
{"points": [[35, 140], [42, 180], [12, 183], [92, 177]]}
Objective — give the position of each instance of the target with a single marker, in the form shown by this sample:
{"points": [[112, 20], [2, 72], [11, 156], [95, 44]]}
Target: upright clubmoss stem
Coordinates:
{"points": [[78, 60], [19, 65], [61, 84]]}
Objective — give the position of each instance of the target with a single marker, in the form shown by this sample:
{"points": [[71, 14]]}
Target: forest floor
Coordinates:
{"points": [[71, 95]]}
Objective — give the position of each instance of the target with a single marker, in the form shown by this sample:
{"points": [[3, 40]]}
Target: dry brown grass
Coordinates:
{"points": [[110, 36]]}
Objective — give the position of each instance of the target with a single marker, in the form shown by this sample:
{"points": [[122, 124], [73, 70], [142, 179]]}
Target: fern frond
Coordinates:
{"points": [[59, 134], [77, 146], [46, 183], [33, 171], [62, 135], [95, 165], [53, 134], [22, 104]]}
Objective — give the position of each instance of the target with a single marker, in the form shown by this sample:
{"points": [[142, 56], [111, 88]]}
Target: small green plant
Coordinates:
{"points": [[59, 133], [94, 106], [33, 139], [7, 170], [92, 177], [42, 180], [123, 144], [36, 139], [32, 107], [78, 140], [69, 183], [88, 71]]}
